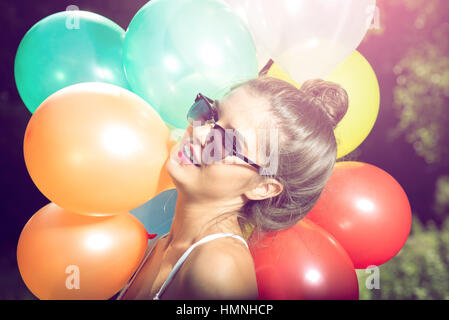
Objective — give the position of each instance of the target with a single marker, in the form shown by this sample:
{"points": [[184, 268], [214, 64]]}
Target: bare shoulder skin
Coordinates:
{"points": [[220, 269]]}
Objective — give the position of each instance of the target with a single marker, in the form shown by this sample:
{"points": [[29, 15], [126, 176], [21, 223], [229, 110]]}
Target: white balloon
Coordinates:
{"points": [[307, 38], [239, 6]]}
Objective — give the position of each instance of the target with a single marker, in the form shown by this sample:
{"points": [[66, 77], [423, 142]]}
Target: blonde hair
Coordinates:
{"points": [[306, 119]]}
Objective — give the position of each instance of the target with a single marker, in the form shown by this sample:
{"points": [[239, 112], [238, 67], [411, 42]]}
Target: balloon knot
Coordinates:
{"points": [[151, 235]]}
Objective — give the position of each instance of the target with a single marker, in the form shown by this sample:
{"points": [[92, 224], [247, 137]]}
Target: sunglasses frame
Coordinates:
{"points": [[214, 118]]}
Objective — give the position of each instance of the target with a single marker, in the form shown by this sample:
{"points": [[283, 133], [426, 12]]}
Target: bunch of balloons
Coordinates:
{"points": [[362, 219], [105, 104], [317, 39]]}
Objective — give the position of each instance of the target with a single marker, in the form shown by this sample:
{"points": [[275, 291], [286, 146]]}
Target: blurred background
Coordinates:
{"points": [[409, 50]]}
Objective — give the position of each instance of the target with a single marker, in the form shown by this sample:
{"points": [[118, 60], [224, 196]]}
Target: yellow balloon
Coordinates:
{"points": [[276, 72], [359, 80]]}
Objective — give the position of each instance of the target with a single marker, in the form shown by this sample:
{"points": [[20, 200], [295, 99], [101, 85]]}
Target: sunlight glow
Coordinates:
{"points": [[365, 205], [104, 73], [171, 63], [120, 141], [98, 241], [211, 55], [313, 276]]}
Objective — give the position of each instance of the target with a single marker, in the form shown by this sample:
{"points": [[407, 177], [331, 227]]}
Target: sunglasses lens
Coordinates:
{"points": [[222, 143], [200, 111], [216, 142], [228, 144]]}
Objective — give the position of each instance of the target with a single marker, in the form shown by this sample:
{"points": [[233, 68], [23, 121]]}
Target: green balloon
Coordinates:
{"points": [[66, 48], [175, 49]]}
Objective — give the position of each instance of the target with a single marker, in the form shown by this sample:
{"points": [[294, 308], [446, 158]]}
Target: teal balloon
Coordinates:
{"points": [[157, 214], [67, 48], [176, 49]]}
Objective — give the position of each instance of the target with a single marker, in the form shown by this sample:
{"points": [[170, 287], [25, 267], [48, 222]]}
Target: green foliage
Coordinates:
{"points": [[421, 94], [441, 204], [421, 99], [420, 271]]}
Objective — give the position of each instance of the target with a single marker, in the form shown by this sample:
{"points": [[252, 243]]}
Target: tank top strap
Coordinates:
{"points": [[186, 254]]}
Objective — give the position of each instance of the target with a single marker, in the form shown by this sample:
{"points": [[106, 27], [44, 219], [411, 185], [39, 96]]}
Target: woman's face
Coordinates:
{"points": [[231, 177]]}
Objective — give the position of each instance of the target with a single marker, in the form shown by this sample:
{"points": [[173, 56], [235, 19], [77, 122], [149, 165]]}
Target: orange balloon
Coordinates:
{"points": [[165, 181], [96, 148], [64, 255]]}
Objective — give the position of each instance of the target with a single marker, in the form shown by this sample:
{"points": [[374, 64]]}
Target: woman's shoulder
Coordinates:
{"points": [[221, 269], [225, 249]]}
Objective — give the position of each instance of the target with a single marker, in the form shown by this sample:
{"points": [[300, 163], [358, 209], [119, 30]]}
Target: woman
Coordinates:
{"points": [[223, 187]]}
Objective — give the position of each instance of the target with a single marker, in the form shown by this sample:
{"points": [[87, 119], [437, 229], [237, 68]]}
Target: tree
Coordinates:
{"points": [[421, 98], [419, 271]]}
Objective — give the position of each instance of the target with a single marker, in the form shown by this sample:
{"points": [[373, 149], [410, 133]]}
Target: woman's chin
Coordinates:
{"points": [[179, 174], [179, 171]]}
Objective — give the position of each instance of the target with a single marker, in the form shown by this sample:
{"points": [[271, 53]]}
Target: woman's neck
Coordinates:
{"points": [[195, 218]]}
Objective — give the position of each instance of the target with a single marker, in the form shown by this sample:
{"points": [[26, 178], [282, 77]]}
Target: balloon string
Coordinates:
{"points": [[151, 235], [266, 67]]}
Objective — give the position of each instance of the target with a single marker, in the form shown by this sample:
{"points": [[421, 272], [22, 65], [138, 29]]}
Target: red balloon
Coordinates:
{"points": [[303, 262], [366, 210]]}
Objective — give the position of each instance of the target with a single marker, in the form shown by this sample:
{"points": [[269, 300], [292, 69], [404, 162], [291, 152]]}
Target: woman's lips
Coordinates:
{"points": [[195, 155], [185, 159]]}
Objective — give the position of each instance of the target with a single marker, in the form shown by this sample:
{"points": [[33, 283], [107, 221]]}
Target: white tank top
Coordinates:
{"points": [[178, 263]]}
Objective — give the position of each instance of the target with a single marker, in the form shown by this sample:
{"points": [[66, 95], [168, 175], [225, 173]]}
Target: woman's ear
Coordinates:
{"points": [[268, 188]]}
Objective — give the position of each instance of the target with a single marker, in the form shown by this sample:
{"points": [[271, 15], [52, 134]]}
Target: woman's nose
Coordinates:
{"points": [[200, 133]]}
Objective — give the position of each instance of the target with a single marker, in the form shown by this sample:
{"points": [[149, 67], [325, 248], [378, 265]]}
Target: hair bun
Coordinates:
{"points": [[329, 96]]}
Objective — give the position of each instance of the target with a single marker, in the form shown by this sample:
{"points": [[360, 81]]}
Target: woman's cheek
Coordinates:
{"points": [[228, 178]]}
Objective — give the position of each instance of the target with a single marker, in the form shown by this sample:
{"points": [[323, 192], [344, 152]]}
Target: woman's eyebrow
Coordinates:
{"points": [[241, 136]]}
